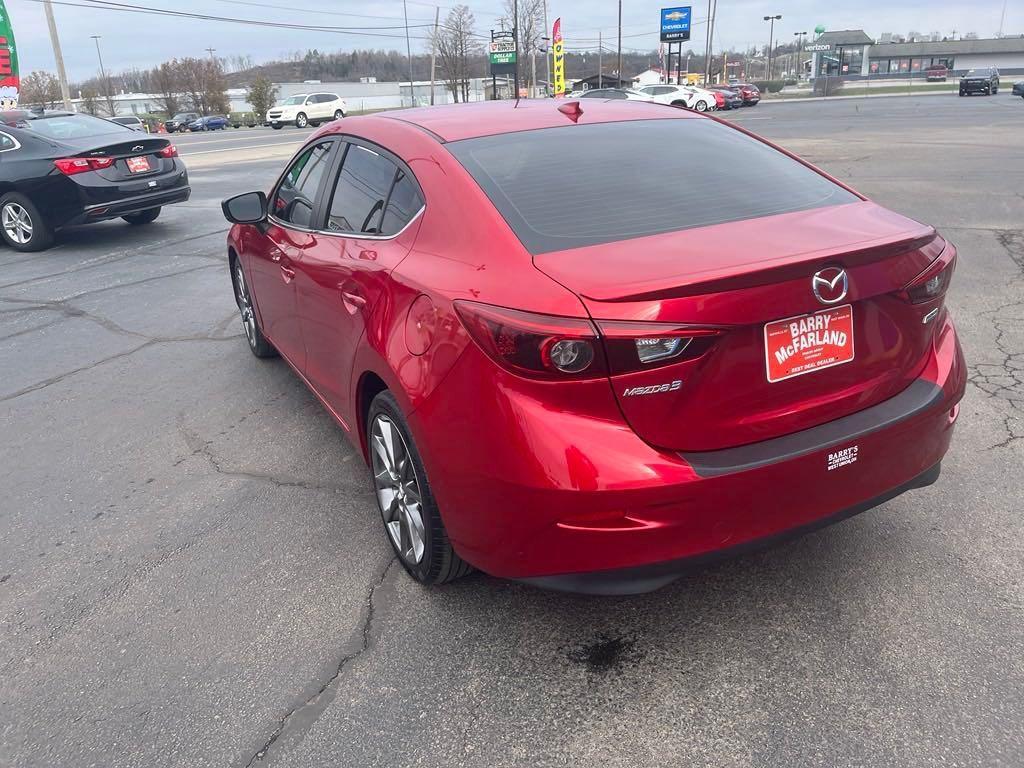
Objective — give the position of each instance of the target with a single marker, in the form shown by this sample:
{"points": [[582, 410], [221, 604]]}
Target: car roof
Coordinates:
{"points": [[454, 122]]}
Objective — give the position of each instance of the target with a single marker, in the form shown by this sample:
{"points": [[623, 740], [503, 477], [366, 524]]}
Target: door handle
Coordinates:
{"points": [[287, 274], [275, 255]]}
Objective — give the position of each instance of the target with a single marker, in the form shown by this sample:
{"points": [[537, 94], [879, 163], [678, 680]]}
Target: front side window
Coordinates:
{"points": [[372, 195], [629, 188], [295, 199]]}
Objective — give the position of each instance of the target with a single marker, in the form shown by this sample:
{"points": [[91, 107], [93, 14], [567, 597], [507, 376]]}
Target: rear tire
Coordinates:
{"points": [[258, 343], [700, 106], [147, 216], [301, 121], [277, 126], [22, 226], [412, 521], [338, 114]]}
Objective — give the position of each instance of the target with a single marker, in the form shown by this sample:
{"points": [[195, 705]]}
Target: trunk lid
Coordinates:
{"points": [[737, 277], [123, 150]]}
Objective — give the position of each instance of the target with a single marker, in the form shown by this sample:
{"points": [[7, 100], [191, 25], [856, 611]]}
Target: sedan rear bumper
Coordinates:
{"points": [[569, 497], [135, 204]]}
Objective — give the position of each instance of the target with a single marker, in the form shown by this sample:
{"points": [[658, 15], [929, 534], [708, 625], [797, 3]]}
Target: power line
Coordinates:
{"points": [[108, 5]]}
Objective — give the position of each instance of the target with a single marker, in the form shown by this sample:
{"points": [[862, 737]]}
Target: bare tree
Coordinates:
{"points": [[531, 29], [40, 89], [166, 83], [203, 84], [456, 43], [89, 105]]}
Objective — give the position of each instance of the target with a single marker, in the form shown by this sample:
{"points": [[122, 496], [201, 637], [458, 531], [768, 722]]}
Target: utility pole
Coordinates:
{"points": [[600, 65], [211, 51], [771, 33], [408, 52], [707, 47], [103, 76], [58, 56], [433, 52], [548, 53], [619, 72], [711, 37]]}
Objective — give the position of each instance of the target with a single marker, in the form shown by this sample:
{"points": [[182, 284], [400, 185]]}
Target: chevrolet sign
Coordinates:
{"points": [[675, 24]]}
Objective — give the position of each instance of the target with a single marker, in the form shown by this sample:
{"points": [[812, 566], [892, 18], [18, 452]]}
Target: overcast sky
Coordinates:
{"points": [[134, 39]]}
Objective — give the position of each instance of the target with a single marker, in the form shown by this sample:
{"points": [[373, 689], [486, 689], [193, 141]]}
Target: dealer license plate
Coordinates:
{"points": [[808, 343], [139, 164]]}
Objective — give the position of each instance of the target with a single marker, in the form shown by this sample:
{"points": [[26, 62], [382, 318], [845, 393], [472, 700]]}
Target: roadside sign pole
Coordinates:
{"points": [[515, 38]]}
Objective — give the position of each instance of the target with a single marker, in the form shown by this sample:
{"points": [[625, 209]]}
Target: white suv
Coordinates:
{"points": [[682, 96], [307, 109]]}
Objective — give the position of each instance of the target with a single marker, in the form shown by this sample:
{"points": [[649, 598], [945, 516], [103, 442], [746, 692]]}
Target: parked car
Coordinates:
{"points": [[134, 123], [615, 93], [984, 80], [209, 123], [307, 109], [180, 122], [719, 98], [733, 98], [239, 119], [568, 400], [62, 168], [750, 93], [1018, 88], [936, 72], [681, 96]]}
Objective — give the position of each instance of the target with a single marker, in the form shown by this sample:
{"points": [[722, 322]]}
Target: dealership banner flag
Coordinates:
{"points": [[558, 47], [10, 83]]}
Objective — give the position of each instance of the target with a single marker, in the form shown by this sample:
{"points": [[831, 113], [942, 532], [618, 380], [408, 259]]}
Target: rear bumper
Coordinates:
{"points": [[645, 578], [134, 204], [975, 87], [563, 494]]}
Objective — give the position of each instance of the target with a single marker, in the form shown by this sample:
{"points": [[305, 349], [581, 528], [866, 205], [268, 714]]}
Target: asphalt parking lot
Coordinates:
{"points": [[193, 570]]}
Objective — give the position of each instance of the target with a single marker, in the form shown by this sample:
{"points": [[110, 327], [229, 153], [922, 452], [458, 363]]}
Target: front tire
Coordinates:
{"points": [[142, 217], [22, 226], [412, 521], [301, 121], [277, 126], [258, 343]]}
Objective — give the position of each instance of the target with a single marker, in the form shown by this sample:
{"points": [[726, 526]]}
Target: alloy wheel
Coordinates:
{"points": [[245, 306], [701, 106], [16, 223], [398, 490]]}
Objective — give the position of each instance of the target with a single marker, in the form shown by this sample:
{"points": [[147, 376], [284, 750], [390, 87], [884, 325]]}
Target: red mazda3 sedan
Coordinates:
{"points": [[575, 353]]}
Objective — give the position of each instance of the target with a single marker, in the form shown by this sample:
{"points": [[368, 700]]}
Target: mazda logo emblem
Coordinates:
{"points": [[830, 285]]}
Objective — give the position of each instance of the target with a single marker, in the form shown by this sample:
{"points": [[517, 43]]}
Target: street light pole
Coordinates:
{"points": [[771, 37], [619, 65], [211, 51], [800, 53], [58, 56], [103, 76]]}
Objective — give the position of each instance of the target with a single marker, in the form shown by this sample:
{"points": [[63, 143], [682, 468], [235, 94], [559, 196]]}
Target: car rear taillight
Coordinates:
{"points": [[934, 281], [70, 166], [540, 346], [169, 151], [640, 346], [553, 347]]}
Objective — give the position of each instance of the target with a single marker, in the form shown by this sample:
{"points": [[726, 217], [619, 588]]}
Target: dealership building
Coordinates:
{"points": [[852, 53]]}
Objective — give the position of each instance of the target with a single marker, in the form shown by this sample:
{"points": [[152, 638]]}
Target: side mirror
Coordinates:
{"points": [[248, 208]]}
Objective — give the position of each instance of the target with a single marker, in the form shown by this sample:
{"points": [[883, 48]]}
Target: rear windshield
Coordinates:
{"points": [[72, 126], [580, 185]]}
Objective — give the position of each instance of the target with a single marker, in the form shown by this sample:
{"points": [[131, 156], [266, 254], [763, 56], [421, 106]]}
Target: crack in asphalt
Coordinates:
{"points": [[117, 256], [200, 447], [1005, 379], [299, 719]]}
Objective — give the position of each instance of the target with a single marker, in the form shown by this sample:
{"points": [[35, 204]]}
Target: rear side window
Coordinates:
{"points": [[372, 195], [295, 198], [580, 185], [72, 126]]}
